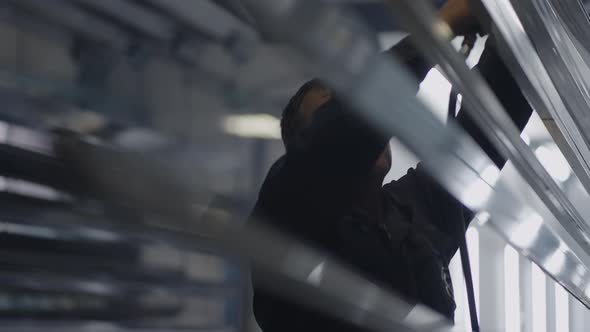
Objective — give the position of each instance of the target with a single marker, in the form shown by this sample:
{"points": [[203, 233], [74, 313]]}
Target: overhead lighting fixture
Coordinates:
{"points": [[554, 162], [263, 126]]}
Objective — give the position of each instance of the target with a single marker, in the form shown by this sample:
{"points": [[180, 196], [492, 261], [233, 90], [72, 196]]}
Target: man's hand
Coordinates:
{"points": [[457, 14]]}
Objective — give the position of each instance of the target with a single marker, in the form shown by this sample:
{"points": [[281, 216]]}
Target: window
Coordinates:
{"points": [[539, 299], [562, 322], [511, 290]]}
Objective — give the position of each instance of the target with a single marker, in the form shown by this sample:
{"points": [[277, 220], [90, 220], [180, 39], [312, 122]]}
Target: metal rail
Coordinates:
{"points": [[207, 17], [345, 56], [576, 18], [150, 22], [525, 64], [551, 71], [64, 13], [432, 38]]}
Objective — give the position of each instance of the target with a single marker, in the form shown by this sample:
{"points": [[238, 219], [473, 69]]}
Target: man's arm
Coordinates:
{"points": [[457, 15], [449, 214], [510, 95]]}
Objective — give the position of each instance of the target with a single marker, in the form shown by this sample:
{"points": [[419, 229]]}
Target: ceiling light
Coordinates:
{"points": [[252, 126]]}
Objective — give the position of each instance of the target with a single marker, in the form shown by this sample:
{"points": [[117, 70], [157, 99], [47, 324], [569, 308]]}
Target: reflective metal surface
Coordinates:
{"points": [[91, 26], [490, 116], [449, 155], [574, 16], [109, 222], [506, 139], [554, 82]]}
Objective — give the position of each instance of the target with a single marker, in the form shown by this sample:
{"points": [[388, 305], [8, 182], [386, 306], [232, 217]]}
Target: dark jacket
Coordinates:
{"points": [[310, 192]]}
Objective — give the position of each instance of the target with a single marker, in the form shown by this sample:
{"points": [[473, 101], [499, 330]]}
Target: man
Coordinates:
{"points": [[328, 190]]}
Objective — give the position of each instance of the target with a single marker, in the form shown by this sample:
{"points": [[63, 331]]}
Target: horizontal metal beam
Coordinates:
{"points": [[206, 17], [135, 15], [41, 325], [76, 19]]}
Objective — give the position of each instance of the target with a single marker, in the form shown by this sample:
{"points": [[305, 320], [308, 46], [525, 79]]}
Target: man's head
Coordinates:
{"points": [[300, 109], [299, 112]]}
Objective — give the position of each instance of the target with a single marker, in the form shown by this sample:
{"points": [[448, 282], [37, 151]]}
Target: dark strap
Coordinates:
{"points": [[467, 46], [465, 263]]}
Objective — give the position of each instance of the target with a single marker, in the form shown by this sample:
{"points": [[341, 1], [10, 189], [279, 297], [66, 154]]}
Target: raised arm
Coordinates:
{"points": [[449, 216]]}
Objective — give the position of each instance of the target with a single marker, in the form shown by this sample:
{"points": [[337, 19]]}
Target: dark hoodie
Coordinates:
{"points": [[310, 192]]}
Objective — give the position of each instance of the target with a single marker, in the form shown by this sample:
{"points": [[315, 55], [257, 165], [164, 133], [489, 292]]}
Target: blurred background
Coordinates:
{"points": [[190, 84]]}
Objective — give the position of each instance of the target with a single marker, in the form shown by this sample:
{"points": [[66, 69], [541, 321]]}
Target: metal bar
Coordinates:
{"points": [[206, 17], [109, 287], [135, 15], [577, 19], [27, 22], [491, 117], [40, 325], [552, 72], [81, 22], [236, 8], [350, 63]]}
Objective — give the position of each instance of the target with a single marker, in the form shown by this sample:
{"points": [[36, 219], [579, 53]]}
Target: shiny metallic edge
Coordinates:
{"points": [[371, 83]]}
